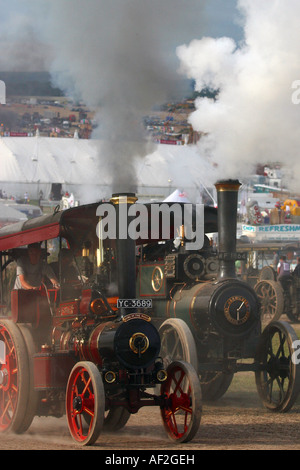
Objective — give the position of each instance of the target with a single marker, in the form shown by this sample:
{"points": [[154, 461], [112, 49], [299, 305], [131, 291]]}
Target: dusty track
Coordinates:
{"points": [[236, 421]]}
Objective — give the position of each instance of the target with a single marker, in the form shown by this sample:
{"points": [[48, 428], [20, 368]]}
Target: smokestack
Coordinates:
{"points": [[227, 191], [126, 265]]}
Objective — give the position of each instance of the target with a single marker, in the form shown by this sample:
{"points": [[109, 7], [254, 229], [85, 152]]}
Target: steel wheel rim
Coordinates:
{"points": [[8, 381], [278, 384], [177, 343], [85, 403], [271, 300], [182, 415]]}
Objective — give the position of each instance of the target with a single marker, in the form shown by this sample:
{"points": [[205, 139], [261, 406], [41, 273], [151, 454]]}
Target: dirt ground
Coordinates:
{"points": [[237, 421]]}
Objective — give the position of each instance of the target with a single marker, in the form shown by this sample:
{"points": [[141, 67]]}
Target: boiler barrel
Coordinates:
{"points": [[228, 307], [134, 343]]}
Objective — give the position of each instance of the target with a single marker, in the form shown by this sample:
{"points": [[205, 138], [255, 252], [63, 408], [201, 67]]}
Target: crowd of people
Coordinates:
{"points": [[283, 267]]}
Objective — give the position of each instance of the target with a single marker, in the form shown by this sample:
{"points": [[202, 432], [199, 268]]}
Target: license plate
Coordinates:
{"points": [[134, 303]]}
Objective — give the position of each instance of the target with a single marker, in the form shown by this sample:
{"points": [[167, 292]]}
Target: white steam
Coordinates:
{"points": [[253, 120]]}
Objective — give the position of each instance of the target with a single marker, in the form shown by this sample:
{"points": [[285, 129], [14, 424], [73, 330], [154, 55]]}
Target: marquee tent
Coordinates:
{"points": [[80, 166], [177, 196]]}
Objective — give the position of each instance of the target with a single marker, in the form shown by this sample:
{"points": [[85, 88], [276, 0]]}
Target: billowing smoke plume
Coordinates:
{"points": [[253, 120], [115, 56], [21, 48]]}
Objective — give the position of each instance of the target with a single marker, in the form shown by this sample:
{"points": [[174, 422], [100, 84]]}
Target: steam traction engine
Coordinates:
{"points": [[74, 350], [210, 318]]}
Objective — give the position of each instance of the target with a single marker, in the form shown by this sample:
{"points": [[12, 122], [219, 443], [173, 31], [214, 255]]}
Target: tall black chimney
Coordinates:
{"points": [[227, 223], [125, 246]]}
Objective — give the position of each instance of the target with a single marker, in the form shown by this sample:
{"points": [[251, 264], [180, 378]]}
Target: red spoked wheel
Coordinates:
{"points": [[182, 412], [14, 379], [85, 403]]}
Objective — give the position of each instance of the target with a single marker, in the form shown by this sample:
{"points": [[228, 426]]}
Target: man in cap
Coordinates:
{"points": [[32, 268]]}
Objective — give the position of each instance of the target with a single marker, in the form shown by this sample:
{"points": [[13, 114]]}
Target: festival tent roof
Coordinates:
{"points": [[47, 160], [177, 196], [72, 161]]}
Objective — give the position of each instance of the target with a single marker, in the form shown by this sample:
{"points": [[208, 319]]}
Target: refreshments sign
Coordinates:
{"points": [[272, 232]]}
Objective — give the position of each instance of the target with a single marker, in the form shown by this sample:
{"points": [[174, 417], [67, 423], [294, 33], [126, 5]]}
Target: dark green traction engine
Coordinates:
{"points": [[211, 318]]}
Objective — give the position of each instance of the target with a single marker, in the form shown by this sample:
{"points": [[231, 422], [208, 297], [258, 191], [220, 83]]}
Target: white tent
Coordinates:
{"points": [[177, 196], [34, 164]]}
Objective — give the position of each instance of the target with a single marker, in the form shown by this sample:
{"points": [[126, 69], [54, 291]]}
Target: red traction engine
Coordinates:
{"points": [[73, 351]]}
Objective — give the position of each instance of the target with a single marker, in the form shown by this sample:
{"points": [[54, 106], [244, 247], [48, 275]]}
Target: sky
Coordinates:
{"points": [[222, 19], [21, 22]]}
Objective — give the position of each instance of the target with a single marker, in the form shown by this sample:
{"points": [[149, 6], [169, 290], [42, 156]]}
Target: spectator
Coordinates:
{"points": [[283, 268], [296, 271], [275, 260], [284, 273]]}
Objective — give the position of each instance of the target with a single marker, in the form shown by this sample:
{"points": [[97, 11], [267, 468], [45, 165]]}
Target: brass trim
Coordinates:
{"points": [[161, 375], [157, 278], [97, 306], [133, 346], [230, 186], [122, 199], [113, 378], [136, 315]]}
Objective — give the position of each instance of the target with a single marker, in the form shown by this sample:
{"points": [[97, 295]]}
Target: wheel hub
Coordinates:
{"points": [[181, 401], [77, 404], [3, 377], [278, 367]]}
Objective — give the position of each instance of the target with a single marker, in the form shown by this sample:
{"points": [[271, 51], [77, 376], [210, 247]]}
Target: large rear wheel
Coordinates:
{"points": [[268, 273], [116, 418], [15, 379], [33, 396], [214, 384], [270, 296], [278, 377], [177, 342]]}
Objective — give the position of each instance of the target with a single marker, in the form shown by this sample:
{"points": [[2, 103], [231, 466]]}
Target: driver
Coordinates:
{"points": [[31, 269], [69, 271]]}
